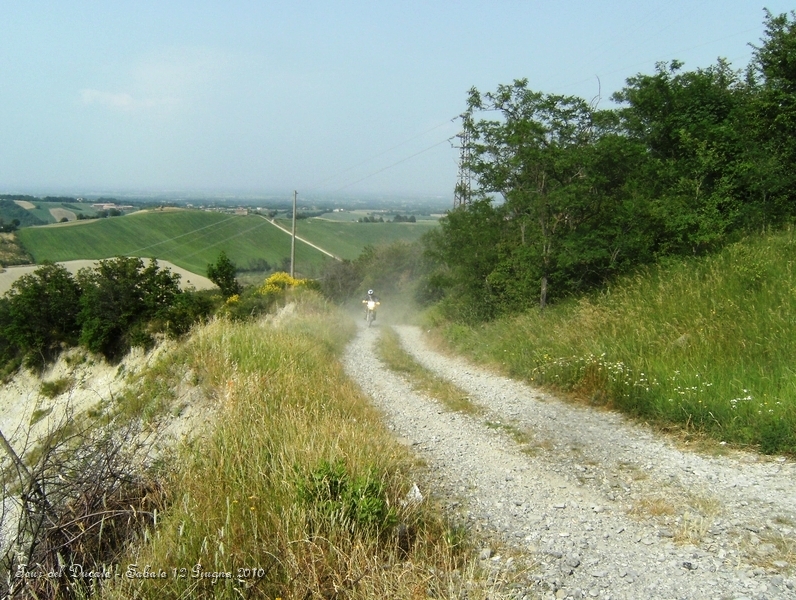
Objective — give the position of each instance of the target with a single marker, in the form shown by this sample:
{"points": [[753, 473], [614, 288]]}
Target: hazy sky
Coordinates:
{"points": [[266, 97]]}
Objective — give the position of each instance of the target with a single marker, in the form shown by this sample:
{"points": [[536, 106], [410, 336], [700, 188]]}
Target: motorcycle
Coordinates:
{"points": [[370, 310]]}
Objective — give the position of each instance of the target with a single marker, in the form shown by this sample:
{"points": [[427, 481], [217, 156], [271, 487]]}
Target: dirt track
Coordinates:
{"points": [[604, 506]]}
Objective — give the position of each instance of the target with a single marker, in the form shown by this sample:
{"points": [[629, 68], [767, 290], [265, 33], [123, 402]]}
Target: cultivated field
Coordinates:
{"points": [[61, 213], [52, 212], [188, 238], [348, 216], [192, 239]]}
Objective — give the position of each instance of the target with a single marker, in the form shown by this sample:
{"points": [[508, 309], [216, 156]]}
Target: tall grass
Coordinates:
{"points": [[704, 344], [298, 492]]}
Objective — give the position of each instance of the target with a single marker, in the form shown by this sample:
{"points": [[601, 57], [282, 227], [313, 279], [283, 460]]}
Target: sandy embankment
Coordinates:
{"points": [[187, 279]]}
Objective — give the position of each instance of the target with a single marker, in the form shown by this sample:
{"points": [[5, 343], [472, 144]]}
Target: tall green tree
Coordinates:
{"points": [[566, 195], [773, 70], [222, 273], [542, 157], [41, 313], [694, 126]]}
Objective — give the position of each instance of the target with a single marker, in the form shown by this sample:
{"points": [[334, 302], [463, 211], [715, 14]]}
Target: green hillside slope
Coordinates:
{"points": [[190, 239], [706, 344], [10, 210], [347, 239]]}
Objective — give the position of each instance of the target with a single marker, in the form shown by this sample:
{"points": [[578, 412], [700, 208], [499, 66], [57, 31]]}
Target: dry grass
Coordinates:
{"points": [[653, 507], [300, 482], [689, 515], [12, 252]]}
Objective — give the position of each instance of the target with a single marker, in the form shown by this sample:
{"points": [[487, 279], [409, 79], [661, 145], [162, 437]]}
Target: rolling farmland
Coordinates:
{"points": [[189, 238]]}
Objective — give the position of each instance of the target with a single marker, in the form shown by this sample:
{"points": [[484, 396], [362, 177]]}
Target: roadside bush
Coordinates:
{"points": [[247, 305], [336, 499], [255, 301], [110, 308], [186, 309], [339, 280]]}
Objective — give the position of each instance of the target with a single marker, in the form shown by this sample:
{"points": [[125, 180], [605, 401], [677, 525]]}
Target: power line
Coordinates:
{"points": [[394, 164], [231, 237], [137, 250], [375, 156], [645, 62]]}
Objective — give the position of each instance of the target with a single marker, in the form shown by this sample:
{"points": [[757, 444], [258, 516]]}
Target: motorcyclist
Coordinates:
{"points": [[371, 297]]}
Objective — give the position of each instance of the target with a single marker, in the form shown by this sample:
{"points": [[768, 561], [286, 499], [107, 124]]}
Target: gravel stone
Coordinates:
{"points": [[541, 497]]}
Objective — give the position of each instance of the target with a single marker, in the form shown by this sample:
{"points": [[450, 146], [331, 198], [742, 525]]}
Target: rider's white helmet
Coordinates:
{"points": [[370, 292]]}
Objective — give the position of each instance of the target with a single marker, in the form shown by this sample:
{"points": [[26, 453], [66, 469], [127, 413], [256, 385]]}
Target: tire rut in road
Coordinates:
{"points": [[557, 506]]}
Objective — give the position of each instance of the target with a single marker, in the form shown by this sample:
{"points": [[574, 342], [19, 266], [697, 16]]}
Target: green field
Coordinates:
{"points": [[347, 239], [189, 238]]}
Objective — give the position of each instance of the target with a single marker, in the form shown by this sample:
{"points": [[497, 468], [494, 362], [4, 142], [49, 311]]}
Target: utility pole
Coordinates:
{"points": [[293, 240]]}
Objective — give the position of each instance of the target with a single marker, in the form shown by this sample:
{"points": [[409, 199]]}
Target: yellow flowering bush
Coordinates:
{"points": [[279, 282]]}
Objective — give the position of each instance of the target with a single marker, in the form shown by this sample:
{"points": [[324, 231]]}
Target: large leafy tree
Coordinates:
{"points": [[694, 126], [773, 71], [551, 165], [466, 248], [567, 195], [40, 313]]}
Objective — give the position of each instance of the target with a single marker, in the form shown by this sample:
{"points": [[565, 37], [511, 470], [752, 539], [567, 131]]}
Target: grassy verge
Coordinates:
{"points": [[299, 491], [423, 380], [702, 345]]}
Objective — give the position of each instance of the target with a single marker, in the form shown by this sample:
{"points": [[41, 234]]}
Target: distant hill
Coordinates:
{"points": [[10, 210]]}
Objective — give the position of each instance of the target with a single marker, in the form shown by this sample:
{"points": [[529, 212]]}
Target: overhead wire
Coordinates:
{"points": [[446, 140], [137, 250], [649, 17], [226, 239], [390, 149], [645, 62]]}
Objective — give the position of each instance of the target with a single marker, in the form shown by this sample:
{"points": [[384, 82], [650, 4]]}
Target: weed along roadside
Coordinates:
{"points": [[703, 347], [298, 490]]}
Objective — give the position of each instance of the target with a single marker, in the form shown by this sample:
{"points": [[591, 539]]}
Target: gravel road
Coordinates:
{"points": [[606, 508]]}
